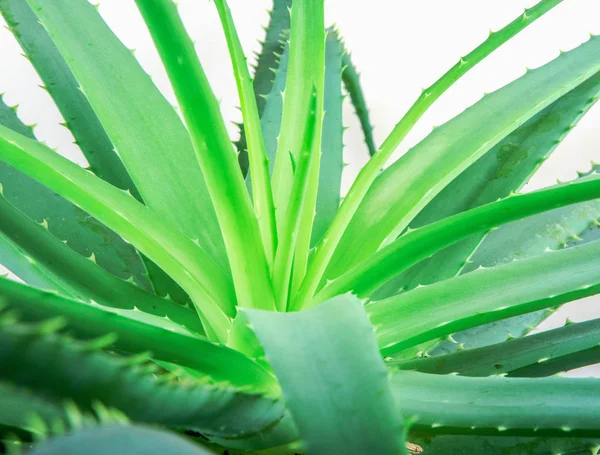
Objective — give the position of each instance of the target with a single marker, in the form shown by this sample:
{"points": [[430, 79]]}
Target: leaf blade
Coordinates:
{"points": [[144, 128], [523, 295], [359, 379]]}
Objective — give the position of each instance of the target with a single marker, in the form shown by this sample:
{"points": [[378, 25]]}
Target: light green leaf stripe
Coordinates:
{"points": [[257, 155], [215, 152], [144, 128], [342, 234], [332, 376], [175, 253], [512, 357], [282, 270], [484, 296]]}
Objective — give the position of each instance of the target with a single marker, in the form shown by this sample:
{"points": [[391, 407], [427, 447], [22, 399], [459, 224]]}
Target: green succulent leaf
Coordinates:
{"points": [[65, 221], [121, 440], [505, 168], [486, 295], [282, 269], [333, 345], [402, 190], [504, 445], [58, 369], [515, 355], [521, 239], [268, 62], [342, 234], [351, 79], [167, 342], [259, 163], [447, 404], [270, 120], [60, 83], [83, 275], [332, 142], [421, 243], [143, 127], [21, 409], [214, 152], [177, 254]]}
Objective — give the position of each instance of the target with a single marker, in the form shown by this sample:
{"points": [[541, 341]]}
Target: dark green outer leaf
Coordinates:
{"points": [[519, 353], [351, 79], [332, 145], [79, 117], [503, 169], [503, 445], [84, 276], [121, 440], [57, 368], [167, 342], [268, 62], [19, 406], [332, 377]]}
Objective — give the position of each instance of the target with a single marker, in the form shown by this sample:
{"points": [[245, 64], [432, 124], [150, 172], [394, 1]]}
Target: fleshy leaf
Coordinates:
{"points": [[499, 406], [174, 252], [505, 168], [121, 440], [512, 357], [167, 342], [332, 145], [333, 379], [147, 133], [484, 296], [214, 152], [402, 190]]}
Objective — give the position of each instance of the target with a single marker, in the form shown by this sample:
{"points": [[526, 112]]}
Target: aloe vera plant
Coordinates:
{"points": [[184, 284]]}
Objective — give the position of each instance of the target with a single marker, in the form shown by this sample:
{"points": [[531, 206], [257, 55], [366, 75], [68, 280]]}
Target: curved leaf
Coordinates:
{"points": [[421, 243], [324, 257], [66, 222], [167, 342], [178, 255], [486, 295], [512, 357], [82, 274], [146, 131], [214, 152], [332, 377], [504, 169], [402, 190]]}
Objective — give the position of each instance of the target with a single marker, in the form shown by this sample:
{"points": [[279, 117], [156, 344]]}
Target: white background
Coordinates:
{"points": [[400, 46]]}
